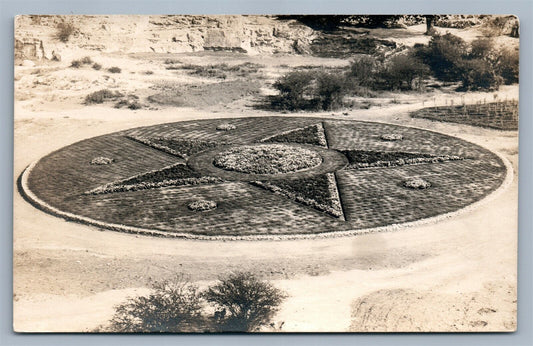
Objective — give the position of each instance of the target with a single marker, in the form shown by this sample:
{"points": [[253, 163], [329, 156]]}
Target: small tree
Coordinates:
{"points": [[173, 306], [243, 302]]}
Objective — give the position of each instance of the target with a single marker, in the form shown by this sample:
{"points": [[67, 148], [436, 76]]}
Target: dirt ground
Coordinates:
{"points": [[456, 275]]}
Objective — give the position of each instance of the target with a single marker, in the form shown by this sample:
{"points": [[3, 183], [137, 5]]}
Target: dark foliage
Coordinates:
{"points": [[102, 96], [361, 156], [178, 171], [243, 302], [507, 65], [64, 31], [114, 69], [306, 135], [174, 306], [310, 90]]}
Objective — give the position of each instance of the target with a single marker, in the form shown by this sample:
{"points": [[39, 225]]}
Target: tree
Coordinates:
{"points": [[430, 22], [173, 306], [243, 302]]}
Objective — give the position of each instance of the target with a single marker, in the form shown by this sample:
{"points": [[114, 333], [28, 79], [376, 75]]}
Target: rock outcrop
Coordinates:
{"points": [[36, 36]]}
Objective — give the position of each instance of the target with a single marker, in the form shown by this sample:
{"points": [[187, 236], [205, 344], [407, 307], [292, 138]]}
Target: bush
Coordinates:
{"points": [[479, 74], [243, 302], [64, 31], [97, 66], [76, 64], [87, 60], [101, 96], [310, 90], [507, 65], [363, 70], [402, 70], [173, 306], [443, 55], [114, 69]]}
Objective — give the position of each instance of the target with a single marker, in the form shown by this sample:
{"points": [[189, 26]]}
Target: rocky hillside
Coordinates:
{"points": [[36, 36]]}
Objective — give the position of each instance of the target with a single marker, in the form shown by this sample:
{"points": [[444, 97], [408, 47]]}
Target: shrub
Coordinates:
{"points": [[64, 31], [87, 60], [444, 55], [479, 74], [101, 96], [507, 65], [97, 66], [310, 90], [402, 70], [173, 306], [243, 302], [114, 69], [202, 205], [363, 70], [76, 64]]}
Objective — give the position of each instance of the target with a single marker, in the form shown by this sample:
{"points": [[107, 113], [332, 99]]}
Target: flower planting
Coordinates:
{"points": [[202, 205], [417, 183], [101, 160], [391, 137], [267, 159], [226, 127]]}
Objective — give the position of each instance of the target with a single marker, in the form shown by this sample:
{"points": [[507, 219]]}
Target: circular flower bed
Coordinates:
{"points": [[202, 205], [101, 160], [267, 159], [226, 127], [392, 137], [416, 183]]}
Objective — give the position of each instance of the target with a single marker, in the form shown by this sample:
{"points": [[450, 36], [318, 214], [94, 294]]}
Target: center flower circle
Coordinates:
{"points": [[267, 159]]}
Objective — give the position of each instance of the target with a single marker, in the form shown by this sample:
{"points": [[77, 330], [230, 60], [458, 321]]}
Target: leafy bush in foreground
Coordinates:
{"points": [[243, 302], [173, 306], [114, 69]]}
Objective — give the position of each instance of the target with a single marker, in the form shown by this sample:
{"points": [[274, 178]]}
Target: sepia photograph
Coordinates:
{"points": [[265, 173]]}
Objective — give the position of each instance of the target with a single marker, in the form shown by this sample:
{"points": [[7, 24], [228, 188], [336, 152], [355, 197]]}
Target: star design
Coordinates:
{"points": [[318, 191]]}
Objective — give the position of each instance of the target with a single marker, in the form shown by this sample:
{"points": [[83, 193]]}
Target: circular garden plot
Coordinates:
{"points": [[267, 177]]}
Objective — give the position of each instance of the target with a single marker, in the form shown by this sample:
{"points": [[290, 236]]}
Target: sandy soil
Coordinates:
{"points": [[457, 275]]}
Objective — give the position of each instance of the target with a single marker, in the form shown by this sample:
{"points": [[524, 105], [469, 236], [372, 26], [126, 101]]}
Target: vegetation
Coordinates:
{"points": [[102, 160], [83, 61], [176, 175], [313, 134], [366, 159], [179, 147], [243, 303], [173, 306], [97, 66], [502, 115], [202, 205], [267, 159], [114, 69], [417, 183], [101, 96], [64, 31]]}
